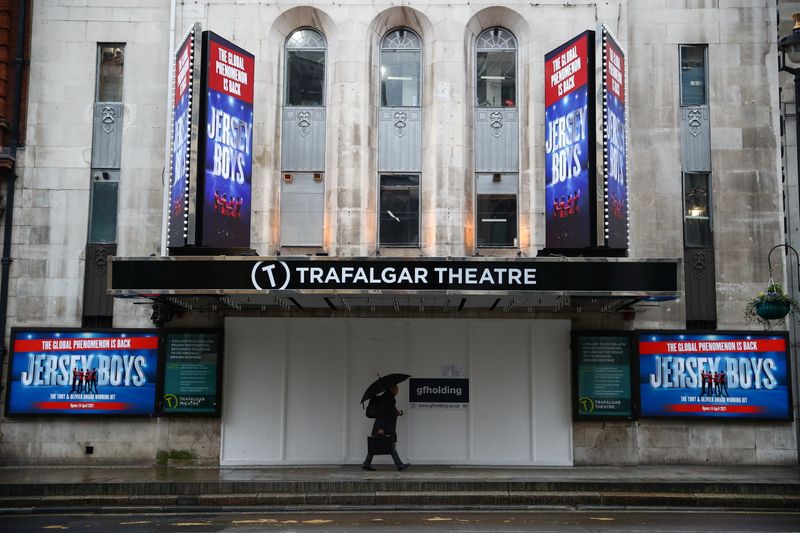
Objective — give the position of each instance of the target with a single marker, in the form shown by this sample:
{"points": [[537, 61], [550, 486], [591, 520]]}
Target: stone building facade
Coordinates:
{"points": [[55, 168]]}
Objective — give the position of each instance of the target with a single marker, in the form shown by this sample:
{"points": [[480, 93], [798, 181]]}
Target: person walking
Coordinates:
{"points": [[386, 425]]}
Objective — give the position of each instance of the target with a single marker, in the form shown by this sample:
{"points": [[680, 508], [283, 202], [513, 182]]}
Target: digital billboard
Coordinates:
{"points": [[191, 372], [615, 169], [714, 375], [602, 374], [82, 372], [180, 165], [569, 144], [227, 144]]}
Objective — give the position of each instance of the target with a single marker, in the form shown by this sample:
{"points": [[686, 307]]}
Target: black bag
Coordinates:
{"points": [[372, 407], [380, 445]]}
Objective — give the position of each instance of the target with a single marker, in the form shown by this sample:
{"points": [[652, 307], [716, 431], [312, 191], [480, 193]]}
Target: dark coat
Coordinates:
{"points": [[386, 416]]}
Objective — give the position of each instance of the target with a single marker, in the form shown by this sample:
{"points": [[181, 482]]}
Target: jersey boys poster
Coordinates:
{"points": [[181, 142], [228, 144], [569, 131], [714, 375], [82, 372], [614, 143]]}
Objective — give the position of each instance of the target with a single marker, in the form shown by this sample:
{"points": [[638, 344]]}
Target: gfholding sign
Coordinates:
{"points": [[438, 393]]}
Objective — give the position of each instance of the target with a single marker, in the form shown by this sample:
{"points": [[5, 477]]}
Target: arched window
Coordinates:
{"points": [[496, 69], [401, 52], [305, 68], [303, 140], [496, 139], [399, 146]]}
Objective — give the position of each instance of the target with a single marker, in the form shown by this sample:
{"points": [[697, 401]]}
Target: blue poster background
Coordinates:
{"points": [[180, 137], [568, 222], [110, 399], [688, 402], [227, 225], [617, 179]]}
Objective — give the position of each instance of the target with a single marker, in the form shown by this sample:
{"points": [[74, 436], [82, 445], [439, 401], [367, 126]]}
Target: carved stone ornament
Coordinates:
{"points": [[496, 123], [101, 261], [400, 123], [109, 118], [304, 122], [695, 121], [699, 266]]}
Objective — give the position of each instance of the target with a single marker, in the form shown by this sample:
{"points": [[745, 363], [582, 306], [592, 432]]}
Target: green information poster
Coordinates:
{"points": [[603, 376], [191, 364]]}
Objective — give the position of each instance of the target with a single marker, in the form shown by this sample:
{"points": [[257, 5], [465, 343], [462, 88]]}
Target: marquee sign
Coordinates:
{"points": [[586, 163], [180, 222], [212, 144], [615, 139], [193, 275]]}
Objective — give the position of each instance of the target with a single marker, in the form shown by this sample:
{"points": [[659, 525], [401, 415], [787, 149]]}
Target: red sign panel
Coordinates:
{"points": [[230, 72], [713, 346], [567, 69], [615, 70], [183, 71]]}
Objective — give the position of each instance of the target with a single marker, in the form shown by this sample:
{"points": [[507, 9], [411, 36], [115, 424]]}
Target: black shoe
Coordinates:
{"points": [[403, 467], [367, 467]]}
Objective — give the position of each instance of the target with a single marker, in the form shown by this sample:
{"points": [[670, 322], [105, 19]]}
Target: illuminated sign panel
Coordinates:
{"points": [[227, 147], [180, 165], [615, 153], [82, 372], [714, 375], [569, 144]]}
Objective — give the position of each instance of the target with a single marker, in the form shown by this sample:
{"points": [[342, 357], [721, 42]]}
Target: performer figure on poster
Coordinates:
{"points": [[75, 380], [723, 384]]}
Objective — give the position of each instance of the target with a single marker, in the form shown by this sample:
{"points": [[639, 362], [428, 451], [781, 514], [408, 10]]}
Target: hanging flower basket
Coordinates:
{"points": [[773, 304], [772, 310]]}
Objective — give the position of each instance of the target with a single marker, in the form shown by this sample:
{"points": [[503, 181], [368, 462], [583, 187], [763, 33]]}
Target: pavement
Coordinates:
{"points": [[53, 489]]}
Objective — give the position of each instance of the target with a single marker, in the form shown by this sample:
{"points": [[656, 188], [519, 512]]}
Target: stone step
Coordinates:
{"points": [[404, 499], [378, 485]]}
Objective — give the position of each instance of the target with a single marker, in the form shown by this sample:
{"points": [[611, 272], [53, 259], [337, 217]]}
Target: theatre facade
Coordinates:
{"points": [[232, 217]]}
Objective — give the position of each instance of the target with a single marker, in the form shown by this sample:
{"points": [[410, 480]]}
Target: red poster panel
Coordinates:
{"points": [[230, 70], [183, 61], [567, 68], [615, 69]]}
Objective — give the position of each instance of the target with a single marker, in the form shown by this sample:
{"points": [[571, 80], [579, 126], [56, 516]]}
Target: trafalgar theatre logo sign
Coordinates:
{"points": [[342, 275], [242, 275]]}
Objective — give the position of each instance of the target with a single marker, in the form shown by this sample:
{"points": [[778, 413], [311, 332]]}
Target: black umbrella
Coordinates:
{"points": [[383, 383]]}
